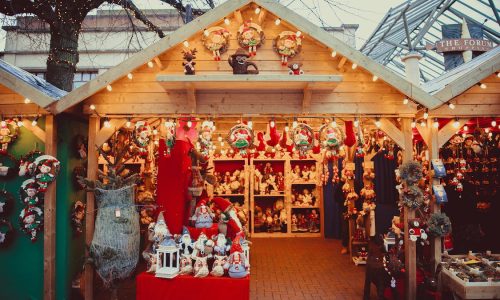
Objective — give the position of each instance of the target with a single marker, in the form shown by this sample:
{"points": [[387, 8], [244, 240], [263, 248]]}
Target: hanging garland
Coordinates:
{"points": [[6, 201], [411, 172], [241, 138], [287, 44], [303, 139], [250, 36], [5, 230], [439, 225], [216, 39], [9, 132], [412, 197]]}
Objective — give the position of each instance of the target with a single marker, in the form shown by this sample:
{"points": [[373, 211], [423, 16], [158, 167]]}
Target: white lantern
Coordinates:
{"points": [[246, 249], [167, 259]]}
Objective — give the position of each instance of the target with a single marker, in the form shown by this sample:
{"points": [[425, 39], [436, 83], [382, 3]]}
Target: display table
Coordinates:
{"points": [[188, 287]]}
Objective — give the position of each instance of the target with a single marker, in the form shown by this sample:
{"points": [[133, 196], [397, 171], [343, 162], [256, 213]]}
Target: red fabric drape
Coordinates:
{"points": [[174, 173]]}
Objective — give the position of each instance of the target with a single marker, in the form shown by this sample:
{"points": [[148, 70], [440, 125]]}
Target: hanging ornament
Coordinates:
{"points": [[216, 39], [5, 229], [241, 138], [170, 136], [27, 166], [331, 138], [142, 137], [303, 138], [31, 221], [77, 216], [30, 190], [250, 36], [207, 129], [47, 168], [287, 44], [9, 130]]}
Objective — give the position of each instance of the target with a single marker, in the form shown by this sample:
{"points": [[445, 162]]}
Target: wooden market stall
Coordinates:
{"points": [[338, 82]]}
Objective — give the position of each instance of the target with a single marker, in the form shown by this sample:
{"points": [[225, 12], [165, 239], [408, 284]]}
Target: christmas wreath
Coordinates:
{"points": [[412, 197], [240, 137], [5, 229], [411, 172], [303, 138], [287, 44], [439, 225], [8, 134], [6, 201], [216, 39], [250, 36]]}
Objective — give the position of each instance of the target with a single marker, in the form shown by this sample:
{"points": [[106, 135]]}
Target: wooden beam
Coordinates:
{"points": [[49, 211], [158, 63], [433, 145], [191, 97], [306, 102], [393, 132], [424, 131], [410, 247], [473, 110], [238, 17], [342, 62], [262, 17], [37, 131], [106, 132], [446, 132], [92, 167]]}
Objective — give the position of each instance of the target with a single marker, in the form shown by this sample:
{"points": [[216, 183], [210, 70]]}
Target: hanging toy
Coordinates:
{"points": [[189, 56], [241, 138], [287, 44], [169, 136], [31, 221], [303, 139], [331, 138], [250, 36], [8, 134], [207, 129], [216, 39], [142, 137], [47, 168], [29, 193]]}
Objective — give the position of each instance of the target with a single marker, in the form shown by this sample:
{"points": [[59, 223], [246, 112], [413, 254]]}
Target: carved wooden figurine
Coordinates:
{"points": [[238, 61], [189, 63]]}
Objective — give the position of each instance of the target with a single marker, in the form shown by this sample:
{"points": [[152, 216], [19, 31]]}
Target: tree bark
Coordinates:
{"points": [[63, 54]]}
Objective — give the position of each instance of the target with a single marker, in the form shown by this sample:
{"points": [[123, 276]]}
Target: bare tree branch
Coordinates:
{"points": [[138, 14], [42, 9]]}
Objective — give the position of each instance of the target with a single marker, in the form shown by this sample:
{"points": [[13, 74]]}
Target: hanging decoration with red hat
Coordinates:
{"points": [[9, 130], [205, 140], [31, 221], [216, 39], [240, 138], [142, 136], [303, 139], [287, 44], [250, 36], [237, 263], [170, 129], [47, 168], [30, 193], [332, 138], [203, 215]]}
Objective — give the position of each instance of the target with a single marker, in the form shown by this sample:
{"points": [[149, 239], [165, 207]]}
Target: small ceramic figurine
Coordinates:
{"points": [[276, 223], [238, 61], [296, 174], [314, 221], [5, 138], [237, 263], [45, 177], [218, 266], [302, 223], [295, 227], [186, 265], [189, 63], [221, 244], [312, 174], [201, 267], [307, 198], [203, 215], [30, 188], [186, 243], [295, 69], [280, 181], [199, 246]]}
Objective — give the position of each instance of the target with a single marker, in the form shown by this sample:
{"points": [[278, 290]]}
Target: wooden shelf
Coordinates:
{"points": [[229, 159], [248, 82], [270, 196], [304, 183], [293, 207], [229, 195]]}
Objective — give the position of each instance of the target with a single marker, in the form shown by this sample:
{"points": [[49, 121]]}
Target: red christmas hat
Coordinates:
{"points": [[236, 247], [222, 204], [201, 202]]}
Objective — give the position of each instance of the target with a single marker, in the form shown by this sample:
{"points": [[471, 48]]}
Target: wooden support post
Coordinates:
{"points": [[342, 62], [191, 97], [94, 124], [446, 132], [410, 247], [37, 131], [435, 208], [158, 63], [306, 101], [49, 211], [393, 132], [262, 17]]}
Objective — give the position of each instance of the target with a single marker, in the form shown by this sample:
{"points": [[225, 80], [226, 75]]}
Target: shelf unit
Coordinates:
{"points": [[285, 164]]}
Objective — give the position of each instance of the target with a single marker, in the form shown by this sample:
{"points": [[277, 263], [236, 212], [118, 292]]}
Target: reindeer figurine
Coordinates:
{"points": [[189, 63]]}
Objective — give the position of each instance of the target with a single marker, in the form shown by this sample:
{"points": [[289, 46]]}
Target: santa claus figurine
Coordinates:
{"points": [[234, 225], [203, 215], [237, 263], [44, 177]]}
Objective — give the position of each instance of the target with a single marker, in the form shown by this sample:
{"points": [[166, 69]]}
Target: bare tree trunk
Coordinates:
{"points": [[63, 54]]}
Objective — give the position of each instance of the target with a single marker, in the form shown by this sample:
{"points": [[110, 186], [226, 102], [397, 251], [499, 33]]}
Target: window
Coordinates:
{"points": [[79, 79]]}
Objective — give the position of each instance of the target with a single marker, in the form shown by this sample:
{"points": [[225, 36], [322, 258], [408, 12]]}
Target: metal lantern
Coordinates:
{"points": [[167, 259]]}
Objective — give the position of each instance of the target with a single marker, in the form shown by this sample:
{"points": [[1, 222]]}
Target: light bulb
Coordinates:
{"points": [[214, 147], [34, 122], [185, 43], [451, 105], [189, 124], [356, 123], [222, 144], [334, 53], [287, 128], [250, 124], [257, 10], [206, 32], [155, 131], [405, 101], [486, 130], [156, 142], [20, 123], [3, 123], [298, 33], [150, 64], [294, 124], [130, 76], [354, 66], [227, 21], [498, 74], [278, 21], [483, 86], [219, 138], [128, 124], [27, 100], [272, 124], [92, 107], [107, 124], [109, 88], [426, 115], [456, 124], [273, 150], [423, 123], [334, 123], [494, 123], [377, 123], [374, 78], [466, 128], [436, 123], [490, 134], [413, 124], [223, 152]]}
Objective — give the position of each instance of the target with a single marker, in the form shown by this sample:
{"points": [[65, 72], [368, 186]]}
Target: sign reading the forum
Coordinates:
{"points": [[450, 45]]}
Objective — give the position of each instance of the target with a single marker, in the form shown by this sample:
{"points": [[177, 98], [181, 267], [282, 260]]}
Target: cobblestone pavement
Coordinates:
{"points": [[303, 268]]}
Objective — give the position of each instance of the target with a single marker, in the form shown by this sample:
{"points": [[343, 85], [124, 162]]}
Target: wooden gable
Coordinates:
{"points": [[13, 104], [329, 85]]}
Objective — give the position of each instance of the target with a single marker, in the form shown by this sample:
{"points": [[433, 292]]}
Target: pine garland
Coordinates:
{"points": [[412, 197], [439, 225], [411, 172]]}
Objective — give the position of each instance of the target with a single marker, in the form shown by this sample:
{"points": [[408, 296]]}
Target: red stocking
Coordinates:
{"points": [[350, 138]]}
